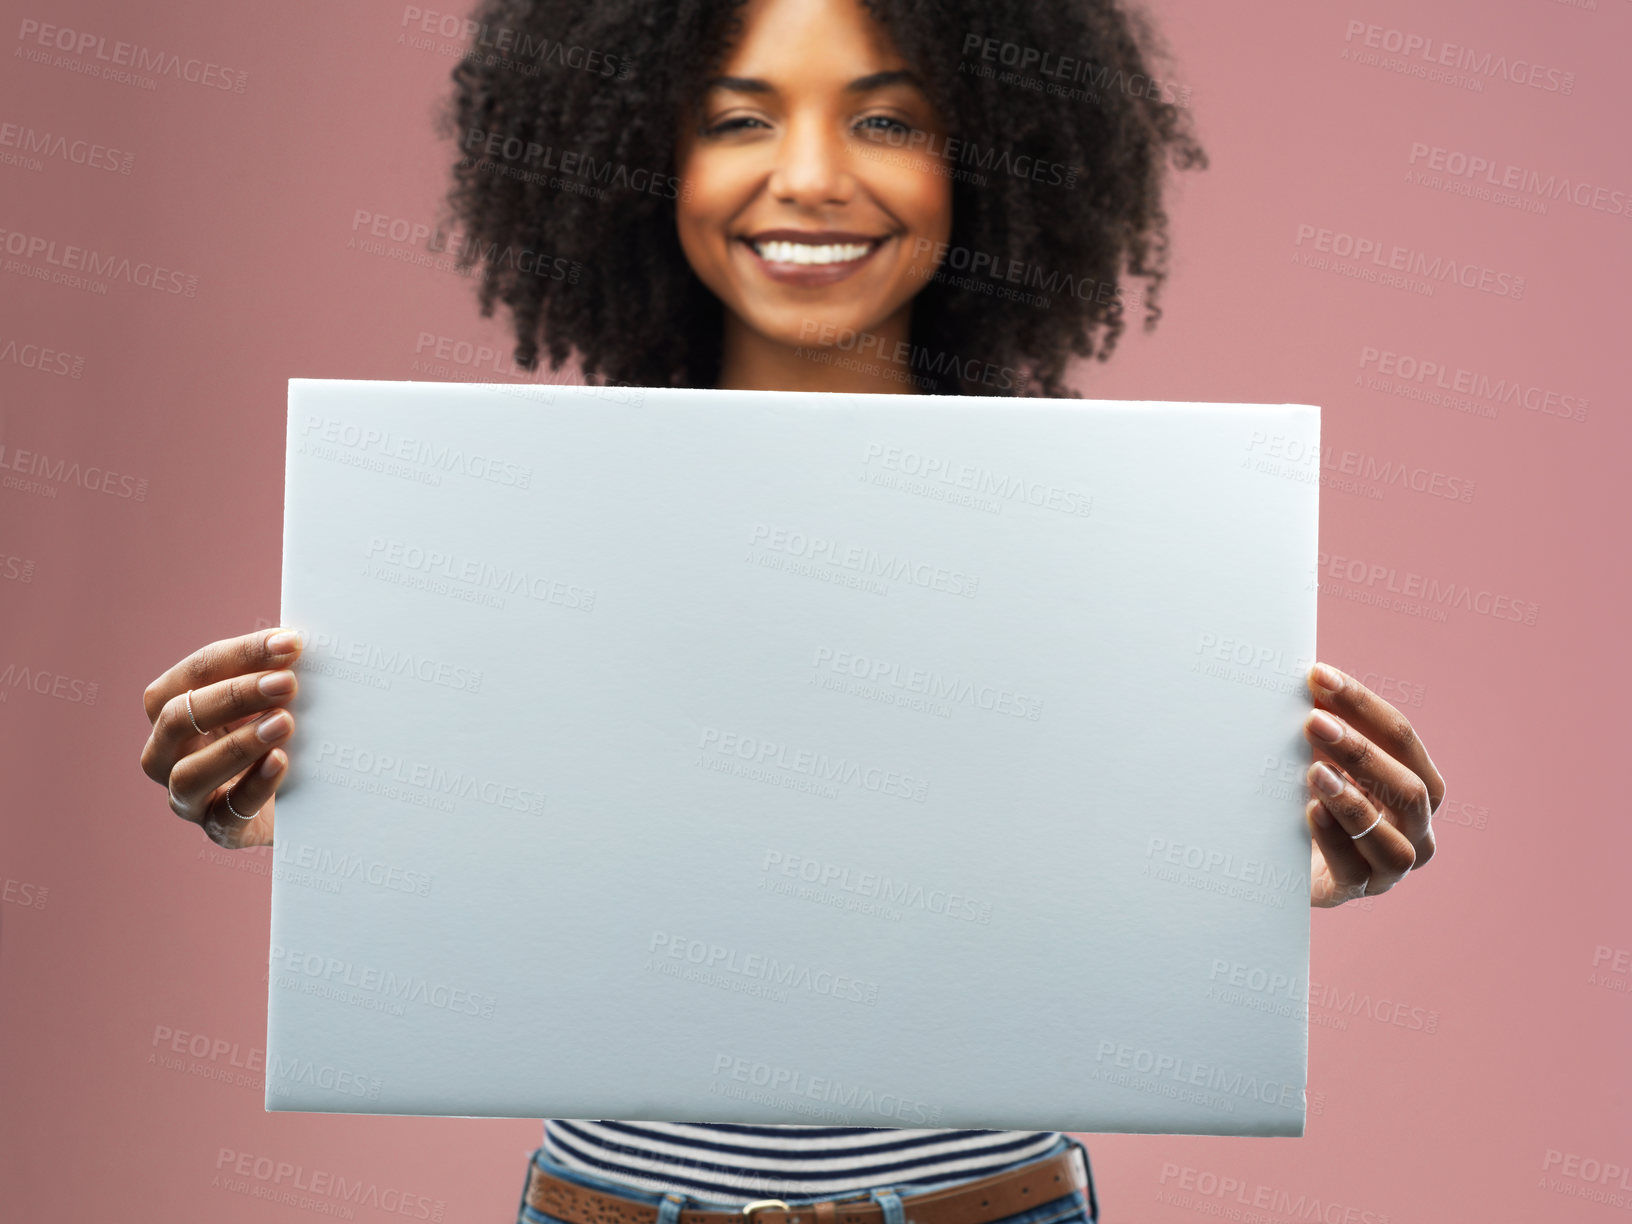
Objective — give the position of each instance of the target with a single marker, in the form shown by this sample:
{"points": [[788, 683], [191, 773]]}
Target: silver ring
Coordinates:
{"points": [[233, 810], [1367, 829], [190, 717]]}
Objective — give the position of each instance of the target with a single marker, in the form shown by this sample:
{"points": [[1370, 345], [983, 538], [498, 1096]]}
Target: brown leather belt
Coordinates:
{"points": [[973, 1202]]}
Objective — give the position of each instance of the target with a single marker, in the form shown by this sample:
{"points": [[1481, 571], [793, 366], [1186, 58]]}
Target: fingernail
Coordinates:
{"points": [[283, 642], [1325, 726], [276, 684], [269, 729], [1322, 817], [271, 766], [1327, 782], [1329, 678]]}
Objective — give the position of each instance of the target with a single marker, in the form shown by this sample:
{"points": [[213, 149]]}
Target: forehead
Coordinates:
{"points": [[830, 42]]}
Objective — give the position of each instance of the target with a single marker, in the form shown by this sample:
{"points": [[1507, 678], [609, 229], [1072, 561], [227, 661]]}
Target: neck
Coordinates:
{"points": [[874, 360]]}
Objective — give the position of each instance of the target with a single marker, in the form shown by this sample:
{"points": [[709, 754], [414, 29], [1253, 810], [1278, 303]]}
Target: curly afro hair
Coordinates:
{"points": [[565, 112]]}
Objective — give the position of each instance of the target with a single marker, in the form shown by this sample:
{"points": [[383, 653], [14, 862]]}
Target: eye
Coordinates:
{"points": [[886, 124], [735, 123]]}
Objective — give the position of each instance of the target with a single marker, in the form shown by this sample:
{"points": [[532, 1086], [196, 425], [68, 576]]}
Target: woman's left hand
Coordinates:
{"points": [[1372, 815]]}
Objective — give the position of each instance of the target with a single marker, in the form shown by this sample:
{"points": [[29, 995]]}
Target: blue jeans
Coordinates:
{"points": [[1077, 1207]]}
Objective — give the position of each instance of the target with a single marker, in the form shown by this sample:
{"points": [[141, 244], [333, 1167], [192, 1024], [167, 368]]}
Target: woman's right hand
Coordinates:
{"points": [[239, 686]]}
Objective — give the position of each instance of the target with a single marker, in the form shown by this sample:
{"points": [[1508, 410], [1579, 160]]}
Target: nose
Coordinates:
{"points": [[812, 168]]}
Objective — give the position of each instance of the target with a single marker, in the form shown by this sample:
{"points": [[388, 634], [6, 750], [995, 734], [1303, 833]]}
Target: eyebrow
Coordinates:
{"points": [[877, 80]]}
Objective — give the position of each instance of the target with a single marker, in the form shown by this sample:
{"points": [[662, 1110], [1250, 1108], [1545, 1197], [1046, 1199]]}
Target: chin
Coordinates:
{"points": [[820, 327]]}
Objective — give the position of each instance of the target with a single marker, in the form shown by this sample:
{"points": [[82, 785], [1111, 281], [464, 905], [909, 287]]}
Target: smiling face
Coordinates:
{"points": [[815, 193]]}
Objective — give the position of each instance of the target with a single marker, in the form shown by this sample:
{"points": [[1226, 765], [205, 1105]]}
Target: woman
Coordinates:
{"points": [[808, 195]]}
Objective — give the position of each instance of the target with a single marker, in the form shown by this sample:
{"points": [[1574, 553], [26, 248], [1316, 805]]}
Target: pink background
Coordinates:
{"points": [[120, 924]]}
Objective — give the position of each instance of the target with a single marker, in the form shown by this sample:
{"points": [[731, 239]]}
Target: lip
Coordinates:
{"points": [[811, 274], [816, 237]]}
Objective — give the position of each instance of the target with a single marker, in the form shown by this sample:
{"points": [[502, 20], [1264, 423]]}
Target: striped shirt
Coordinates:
{"points": [[737, 1164]]}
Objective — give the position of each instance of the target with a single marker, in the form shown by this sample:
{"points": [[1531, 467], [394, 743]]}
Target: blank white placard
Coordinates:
{"points": [[769, 757]]}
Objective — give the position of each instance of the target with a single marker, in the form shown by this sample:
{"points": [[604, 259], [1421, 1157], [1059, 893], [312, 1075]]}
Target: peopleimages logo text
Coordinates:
{"points": [[892, 566], [827, 1089], [158, 62], [790, 975], [1434, 51], [1396, 258]]}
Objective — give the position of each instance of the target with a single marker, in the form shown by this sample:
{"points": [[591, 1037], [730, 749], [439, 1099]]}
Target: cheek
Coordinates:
{"points": [[924, 204], [691, 224], [701, 213]]}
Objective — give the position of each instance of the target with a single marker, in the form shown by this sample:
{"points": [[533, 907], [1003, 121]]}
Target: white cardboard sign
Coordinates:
{"points": [[769, 757]]}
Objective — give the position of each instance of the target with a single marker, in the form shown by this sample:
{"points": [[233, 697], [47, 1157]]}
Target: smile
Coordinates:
{"points": [[794, 258], [804, 253]]}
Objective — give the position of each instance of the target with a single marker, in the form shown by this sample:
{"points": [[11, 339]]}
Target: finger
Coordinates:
{"points": [[1346, 697], [1385, 780], [241, 815], [1346, 866], [264, 649], [1388, 853], [198, 776], [219, 708]]}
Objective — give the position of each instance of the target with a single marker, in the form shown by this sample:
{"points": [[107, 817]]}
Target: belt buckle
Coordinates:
{"points": [[748, 1209]]}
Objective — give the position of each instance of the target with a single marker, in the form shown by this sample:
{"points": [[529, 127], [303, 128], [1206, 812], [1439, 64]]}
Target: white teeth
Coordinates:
{"points": [[807, 253]]}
